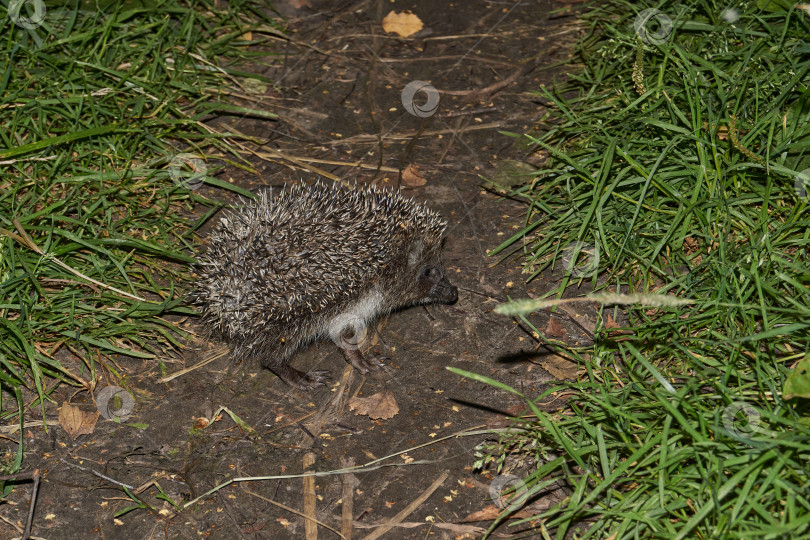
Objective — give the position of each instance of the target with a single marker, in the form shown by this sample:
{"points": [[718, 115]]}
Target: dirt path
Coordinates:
{"points": [[340, 81]]}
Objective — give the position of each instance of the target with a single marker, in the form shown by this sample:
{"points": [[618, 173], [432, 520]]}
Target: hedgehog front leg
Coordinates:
{"points": [[294, 377]]}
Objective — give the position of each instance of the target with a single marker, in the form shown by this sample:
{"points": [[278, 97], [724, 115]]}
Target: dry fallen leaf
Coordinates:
{"points": [[75, 421], [610, 323], [559, 367], [555, 329], [412, 176], [380, 406], [405, 24], [487, 514]]}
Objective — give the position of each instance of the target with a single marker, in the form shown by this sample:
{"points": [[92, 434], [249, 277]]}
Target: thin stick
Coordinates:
{"points": [[368, 467], [217, 353], [408, 509], [293, 510], [332, 162], [103, 477], [347, 507], [30, 521], [311, 523], [409, 136], [30, 475]]}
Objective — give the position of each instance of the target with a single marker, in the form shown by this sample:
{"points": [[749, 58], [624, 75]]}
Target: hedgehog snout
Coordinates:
{"points": [[444, 292]]}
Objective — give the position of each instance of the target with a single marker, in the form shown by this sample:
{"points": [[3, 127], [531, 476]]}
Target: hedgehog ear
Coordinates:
{"points": [[415, 253]]}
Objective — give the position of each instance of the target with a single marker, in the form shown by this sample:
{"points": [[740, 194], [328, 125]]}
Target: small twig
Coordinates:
{"points": [[11, 524], [12, 428], [408, 509], [477, 60], [347, 507], [334, 408], [465, 112], [368, 467], [492, 88], [30, 475], [332, 162], [19, 476], [290, 423], [215, 354], [292, 510], [311, 521], [281, 155], [103, 477], [30, 521], [408, 136]]}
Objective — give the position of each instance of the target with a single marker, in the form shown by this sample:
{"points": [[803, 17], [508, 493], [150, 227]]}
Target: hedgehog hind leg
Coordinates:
{"points": [[356, 358], [362, 363]]}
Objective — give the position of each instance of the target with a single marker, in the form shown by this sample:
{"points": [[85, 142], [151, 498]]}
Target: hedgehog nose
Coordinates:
{"points": [[452, 294], [445, 292]]}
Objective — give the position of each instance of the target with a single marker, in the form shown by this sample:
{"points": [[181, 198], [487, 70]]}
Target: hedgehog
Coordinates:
{"points": [[318, 261]]}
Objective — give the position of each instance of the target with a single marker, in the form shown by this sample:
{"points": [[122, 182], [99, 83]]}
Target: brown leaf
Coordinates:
{"points": [[515, 410], [492, 511], [487, 514], [559, 367], [405, 24], [380, 406], [555, 328], [412, 176], [610, 323], [75, 421]]}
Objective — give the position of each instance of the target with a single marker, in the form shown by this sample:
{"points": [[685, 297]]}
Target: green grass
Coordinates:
{"points": [[96, 104], [679, 164]]}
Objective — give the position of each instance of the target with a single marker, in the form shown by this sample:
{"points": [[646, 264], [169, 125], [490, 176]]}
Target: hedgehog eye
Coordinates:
{"points": [[428, 272]]}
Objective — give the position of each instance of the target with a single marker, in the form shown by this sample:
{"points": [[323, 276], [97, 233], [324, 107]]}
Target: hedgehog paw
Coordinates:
{"points": [[299, 379], [374, 362], [315, 378], [365, 364]]}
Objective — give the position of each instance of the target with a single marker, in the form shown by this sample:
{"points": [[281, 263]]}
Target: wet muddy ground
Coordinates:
{"points": [[339, 81]]}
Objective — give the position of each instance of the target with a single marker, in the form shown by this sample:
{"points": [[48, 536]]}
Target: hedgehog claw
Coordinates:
{"points": [[315, 378], [299, 379], [365, 364], [375, 362]]}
